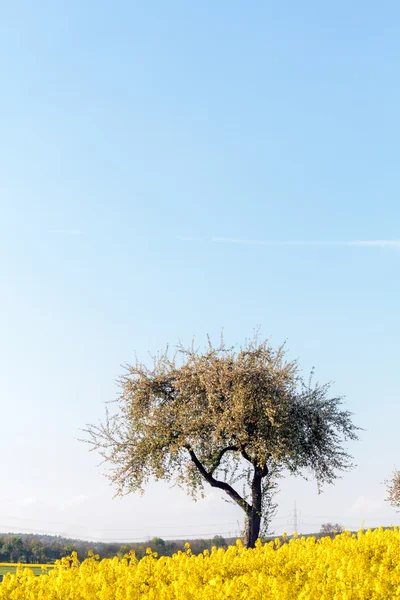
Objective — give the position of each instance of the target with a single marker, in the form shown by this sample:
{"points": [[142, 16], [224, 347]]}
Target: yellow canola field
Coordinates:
{"points": [[29, 566], [363, 566]]}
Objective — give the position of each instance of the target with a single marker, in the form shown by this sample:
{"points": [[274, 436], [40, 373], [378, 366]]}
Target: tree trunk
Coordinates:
{"points": [[254, 517]]}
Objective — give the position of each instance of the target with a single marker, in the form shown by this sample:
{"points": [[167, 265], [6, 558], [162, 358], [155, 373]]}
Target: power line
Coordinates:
{"points": [[172, 527], [74, 533], [172, 537], [125, 529]]}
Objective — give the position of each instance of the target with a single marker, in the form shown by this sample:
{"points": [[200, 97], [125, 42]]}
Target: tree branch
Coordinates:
{"points": [[262, 472], [220, 455], [265, 470], [245, 455], [222, 485]]}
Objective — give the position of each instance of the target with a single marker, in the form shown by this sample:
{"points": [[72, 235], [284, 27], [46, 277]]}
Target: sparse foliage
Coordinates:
{"points": [[393, 489], [223, 417], [330, 528], [268, 506]]}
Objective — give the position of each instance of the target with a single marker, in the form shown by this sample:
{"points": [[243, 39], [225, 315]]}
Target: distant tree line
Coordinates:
{"points": [[45, 549]]}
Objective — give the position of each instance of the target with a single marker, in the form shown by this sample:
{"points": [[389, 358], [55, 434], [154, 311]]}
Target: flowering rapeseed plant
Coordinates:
{"points": [[348, 567]]}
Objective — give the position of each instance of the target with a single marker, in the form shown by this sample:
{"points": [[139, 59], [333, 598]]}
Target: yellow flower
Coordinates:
{"points": [[346, 567]]}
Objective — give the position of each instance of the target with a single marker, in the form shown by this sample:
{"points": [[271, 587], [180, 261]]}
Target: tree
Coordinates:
{"points": [[218, 541], [158, 544], [393, 489], [330, 528], [37, 552], [222, 416], [13, 548]]}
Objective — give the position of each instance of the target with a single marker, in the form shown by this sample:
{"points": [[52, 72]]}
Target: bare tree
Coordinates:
{"points": [[223, 416], [330, 528]]}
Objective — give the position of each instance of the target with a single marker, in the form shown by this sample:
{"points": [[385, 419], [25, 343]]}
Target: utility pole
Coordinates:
{"points": [[295, 518]]}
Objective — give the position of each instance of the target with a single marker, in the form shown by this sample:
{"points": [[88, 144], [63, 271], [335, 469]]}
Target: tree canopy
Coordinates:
{"points": [[223, 416], [393, 489]]}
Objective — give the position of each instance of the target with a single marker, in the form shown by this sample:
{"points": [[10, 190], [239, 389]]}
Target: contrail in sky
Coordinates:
{"points": [[66, 231], [393, 244]]}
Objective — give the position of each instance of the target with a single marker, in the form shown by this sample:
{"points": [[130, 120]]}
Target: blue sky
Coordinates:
{"points": [[169, 169]]}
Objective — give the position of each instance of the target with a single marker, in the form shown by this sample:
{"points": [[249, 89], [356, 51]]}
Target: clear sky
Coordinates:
{"points": [[154, 159]]}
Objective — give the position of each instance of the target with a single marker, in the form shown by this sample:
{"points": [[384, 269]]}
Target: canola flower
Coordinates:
{"points": [[363, 566]]}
